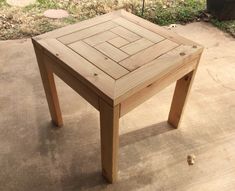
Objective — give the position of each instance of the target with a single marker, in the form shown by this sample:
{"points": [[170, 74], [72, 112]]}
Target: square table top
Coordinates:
{"points": [[117, 54]]}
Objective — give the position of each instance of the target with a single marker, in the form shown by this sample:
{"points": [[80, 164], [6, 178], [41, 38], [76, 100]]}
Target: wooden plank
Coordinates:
{"points": [[49, 87], [136, 46], [126, 34], [111, 51], [98, 59], [83, 90], [181, 94], [154, 37], [157, 29], [81, 34], [150, 90], [100, 38], [109, 131], [90, 75], [118, 42], [79, 26], [179, 99], [154, 70], [148, 55]]}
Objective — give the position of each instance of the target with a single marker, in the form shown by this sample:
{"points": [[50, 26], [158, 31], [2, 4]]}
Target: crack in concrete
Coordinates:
{"points": [[218, 81]]}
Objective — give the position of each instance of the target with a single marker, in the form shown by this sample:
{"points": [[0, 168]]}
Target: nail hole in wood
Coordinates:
{"points": [[95, 74], [182, 54], [194, 46]]}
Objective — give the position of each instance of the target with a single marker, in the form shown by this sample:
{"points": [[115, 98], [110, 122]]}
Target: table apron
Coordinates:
{"points": [[150, 90], [73, 82]]}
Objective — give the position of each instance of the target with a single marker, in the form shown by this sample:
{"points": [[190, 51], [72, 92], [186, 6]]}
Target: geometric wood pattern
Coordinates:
{"points": [[116, 62], [119, 53]]}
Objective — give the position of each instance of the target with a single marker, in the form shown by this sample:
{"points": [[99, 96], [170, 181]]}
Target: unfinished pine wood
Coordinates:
{"points": [[116, 62], [151, 89], [83, 90], [81, 34], [152, 71], [109, 131], [100, 38], [100, 60], [126, 34], [147, 55], [157, 29], [50, 88], [79, 26], [136, 46], [118, 42], [181, 94], [85, 71], [111, 51], [154, 37]]}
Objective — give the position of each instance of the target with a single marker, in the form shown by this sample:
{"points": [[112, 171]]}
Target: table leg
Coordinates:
{"points": [[109, 127], [181, 94], [50, 88]]}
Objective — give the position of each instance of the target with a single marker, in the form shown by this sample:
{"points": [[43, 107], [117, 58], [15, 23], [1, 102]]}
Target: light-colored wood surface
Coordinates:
{"points": [[148, 55], [126, 34], [111, 51], [80, 68], [181, 94], [150, 90], [147, 74], [119, 55], [156, 29], [136, 46], [109, 131], [50, 88], [141, 31], [179, 99], [83, 90], [100, 38], [118, 42], [116, 63], [81, 34], [100, 60]]}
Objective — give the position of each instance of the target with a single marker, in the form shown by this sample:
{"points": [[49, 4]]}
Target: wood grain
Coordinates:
{"points": [[126, 34], [148, 54], [154, 37], [118, 42], [100, 38], [154, 70], [111, 51], [49, 87], [136, 46], [82, 34], [116, 62], [109, 131], [181, 94], [150, 90], [100, 60]]}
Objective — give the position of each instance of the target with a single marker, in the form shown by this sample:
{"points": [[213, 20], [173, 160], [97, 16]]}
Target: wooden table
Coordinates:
{"points": [[116, 62]]}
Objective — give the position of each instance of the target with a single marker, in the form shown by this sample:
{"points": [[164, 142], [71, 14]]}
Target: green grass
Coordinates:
{"points": [[178, 12], [227, 26]]}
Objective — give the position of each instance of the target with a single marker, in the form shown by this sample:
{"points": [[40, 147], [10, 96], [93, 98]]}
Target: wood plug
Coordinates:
{"points": [[191, 159]]}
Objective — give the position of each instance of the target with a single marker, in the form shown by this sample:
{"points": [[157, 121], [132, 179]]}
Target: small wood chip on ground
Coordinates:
{"points": [[191, 159]]}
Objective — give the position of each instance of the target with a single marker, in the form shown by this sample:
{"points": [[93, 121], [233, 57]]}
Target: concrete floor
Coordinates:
{"points": [[35, 156]]}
